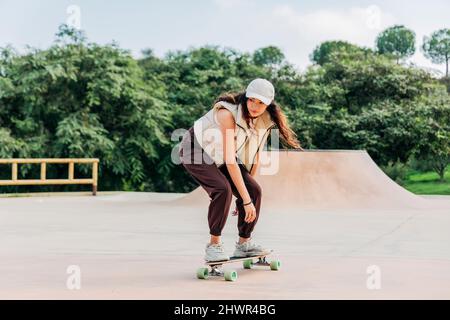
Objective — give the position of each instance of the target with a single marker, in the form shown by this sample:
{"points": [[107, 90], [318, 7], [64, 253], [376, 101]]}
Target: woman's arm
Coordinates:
{"points": [[227, 125]]}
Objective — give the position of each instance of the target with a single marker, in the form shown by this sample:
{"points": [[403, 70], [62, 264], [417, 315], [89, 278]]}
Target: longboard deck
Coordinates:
{"points": [[236, 259]]}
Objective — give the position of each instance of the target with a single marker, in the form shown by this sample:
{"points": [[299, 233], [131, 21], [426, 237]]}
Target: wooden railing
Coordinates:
{"points": [[44, 181]]}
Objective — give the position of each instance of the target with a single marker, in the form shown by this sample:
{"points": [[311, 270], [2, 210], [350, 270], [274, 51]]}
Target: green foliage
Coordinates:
{"points": [[397, 42], [428, 183], [446, 82], [433, 146], [418, 165], [397, 171], [357, 80], [322, 53], [437, 47], [428, 164], [269, 56], [8, 144], [80, 99], [427, 176], [67, 34]]}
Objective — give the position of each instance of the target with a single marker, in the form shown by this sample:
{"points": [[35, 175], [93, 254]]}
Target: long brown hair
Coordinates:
{"points": [[288, 136]]}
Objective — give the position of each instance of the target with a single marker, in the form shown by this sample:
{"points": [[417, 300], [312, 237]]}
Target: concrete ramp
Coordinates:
{"points": [[331, 179]]}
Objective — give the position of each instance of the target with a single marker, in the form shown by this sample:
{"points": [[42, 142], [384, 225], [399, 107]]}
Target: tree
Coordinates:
{"points": [[67, 34], [270, 56], [433, 146], [357, 79], [437, 47], [322, 52], [361, 100], [396, 41], [78, 99]]}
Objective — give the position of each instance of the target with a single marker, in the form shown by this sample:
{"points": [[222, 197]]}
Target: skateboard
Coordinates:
{"points": [[231, 275]]}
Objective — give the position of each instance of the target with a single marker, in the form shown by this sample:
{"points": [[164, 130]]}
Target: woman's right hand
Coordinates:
{"points": [[250, 213]]}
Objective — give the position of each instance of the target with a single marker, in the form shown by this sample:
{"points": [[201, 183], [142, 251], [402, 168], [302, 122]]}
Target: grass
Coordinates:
{"points": [[427, 183]]}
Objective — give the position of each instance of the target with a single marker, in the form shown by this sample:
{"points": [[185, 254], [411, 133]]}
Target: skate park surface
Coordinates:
{"points": [[340, 227]]}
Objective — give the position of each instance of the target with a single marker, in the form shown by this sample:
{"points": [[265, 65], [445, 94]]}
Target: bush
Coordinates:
{"points": [[396, 171], [419, 165]]}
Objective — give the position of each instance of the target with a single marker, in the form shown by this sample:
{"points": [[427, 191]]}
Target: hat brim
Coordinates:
{"points": [[265, 100]]}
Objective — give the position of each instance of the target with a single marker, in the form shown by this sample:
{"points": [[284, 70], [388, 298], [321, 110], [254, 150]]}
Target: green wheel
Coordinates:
{"points": [[230, 275], [203, 273], [248, 264], [275, 265]]}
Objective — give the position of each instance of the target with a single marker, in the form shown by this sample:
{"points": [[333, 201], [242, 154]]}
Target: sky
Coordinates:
{"points": [[296, 27]]}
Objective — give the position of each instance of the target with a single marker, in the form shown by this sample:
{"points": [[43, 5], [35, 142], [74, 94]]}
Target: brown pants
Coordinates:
{"points": [[220, 187]]}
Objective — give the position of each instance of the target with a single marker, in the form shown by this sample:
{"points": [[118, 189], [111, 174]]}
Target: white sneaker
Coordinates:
{"points": [[215, 252], [248, 249]]}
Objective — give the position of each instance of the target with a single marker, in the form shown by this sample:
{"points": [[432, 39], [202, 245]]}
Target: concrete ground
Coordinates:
{"points": [[128, 245]]}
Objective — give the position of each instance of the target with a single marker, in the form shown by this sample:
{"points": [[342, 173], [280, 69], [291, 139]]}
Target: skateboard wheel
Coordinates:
{"points": [[275, 265], [230, 275], [202, 273], [248, 264]]}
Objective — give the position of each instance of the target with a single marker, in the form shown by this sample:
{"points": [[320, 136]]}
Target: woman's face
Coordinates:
{"points": [[255, 107]]}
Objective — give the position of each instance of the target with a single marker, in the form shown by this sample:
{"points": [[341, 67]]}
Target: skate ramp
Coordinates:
{"points": [[324, 179]]}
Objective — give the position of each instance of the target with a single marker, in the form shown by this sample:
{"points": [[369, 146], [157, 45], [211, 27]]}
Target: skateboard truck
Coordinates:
{"points": [[215, 271]]}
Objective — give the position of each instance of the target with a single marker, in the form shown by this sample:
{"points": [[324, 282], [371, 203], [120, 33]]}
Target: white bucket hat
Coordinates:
{"points": [[261, 89]]}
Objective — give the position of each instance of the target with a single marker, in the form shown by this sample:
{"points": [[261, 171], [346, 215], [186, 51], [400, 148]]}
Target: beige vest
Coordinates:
{"points": [[248, 141]]}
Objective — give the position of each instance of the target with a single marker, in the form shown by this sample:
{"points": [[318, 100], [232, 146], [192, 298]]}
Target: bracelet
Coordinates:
{"points": [[247, 203]]}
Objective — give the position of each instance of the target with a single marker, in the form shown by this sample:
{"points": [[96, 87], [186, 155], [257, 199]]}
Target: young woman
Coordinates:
{"points": [[221, 152]]}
